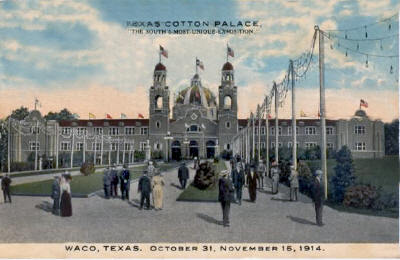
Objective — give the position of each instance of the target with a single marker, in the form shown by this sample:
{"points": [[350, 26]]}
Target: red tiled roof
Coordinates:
{"points": [[100, 122]]}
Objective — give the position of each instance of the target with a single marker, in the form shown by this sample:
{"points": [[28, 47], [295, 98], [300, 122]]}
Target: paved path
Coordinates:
{"points": [[271, 219]]}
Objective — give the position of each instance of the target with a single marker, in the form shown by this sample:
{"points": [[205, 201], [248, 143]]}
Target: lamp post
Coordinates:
{"points": [[167, 138]]}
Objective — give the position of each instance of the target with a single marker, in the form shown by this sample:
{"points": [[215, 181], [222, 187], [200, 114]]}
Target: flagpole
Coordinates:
{"points": [[267, 135], [196, 65], [227, 46], [294, 134]]}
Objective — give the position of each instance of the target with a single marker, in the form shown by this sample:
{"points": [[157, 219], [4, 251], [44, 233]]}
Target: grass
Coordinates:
{"points": [[379, 172], [191, 193], [80, 185]]}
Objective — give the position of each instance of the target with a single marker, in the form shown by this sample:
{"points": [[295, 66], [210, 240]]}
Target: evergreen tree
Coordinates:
{"points": [[392, 138], [344, 175], [64, 114]]}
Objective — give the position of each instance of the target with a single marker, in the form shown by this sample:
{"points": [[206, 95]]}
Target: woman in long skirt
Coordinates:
{"points": [[252, 183], [157, 185], [65, 205]]}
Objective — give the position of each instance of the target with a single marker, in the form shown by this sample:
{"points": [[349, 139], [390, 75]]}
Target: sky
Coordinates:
{"points": [[79, 54]]}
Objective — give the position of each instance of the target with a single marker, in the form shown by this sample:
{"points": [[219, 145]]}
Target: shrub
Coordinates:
{"points": [[21, 166], [344, 175], [305, 178], [156, 155], [361, 196], [87, 168], [216, 159], [139, 155]]}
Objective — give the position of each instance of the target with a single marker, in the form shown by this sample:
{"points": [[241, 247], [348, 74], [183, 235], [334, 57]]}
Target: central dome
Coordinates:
{"points": [[196, 94]]}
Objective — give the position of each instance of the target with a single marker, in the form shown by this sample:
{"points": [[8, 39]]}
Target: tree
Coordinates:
{"points": [[392, 138], [3, 143], [344, 175], [20, 113], [64, 114]]}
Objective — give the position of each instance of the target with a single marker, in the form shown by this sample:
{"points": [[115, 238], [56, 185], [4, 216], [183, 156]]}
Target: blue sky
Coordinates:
{"points": [[54, 49]]}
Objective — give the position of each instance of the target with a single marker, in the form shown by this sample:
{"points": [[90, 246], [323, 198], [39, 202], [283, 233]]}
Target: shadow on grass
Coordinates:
{"points": [[301, 220], [176, 186], [209, 219], [45, 206]]}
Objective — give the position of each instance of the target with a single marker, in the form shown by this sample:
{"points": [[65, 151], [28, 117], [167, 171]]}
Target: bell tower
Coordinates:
{"points": [[227, 108], [158, 109]]}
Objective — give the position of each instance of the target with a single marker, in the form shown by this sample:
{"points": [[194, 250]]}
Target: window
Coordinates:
{"points": [[194, 128], [35, 130], [66, 130], [311, 130], [114, 146], [290, 130], [263, 130], [227, 102], [65, 146], [329, 130], [128, 147], [273, 144], [81, 130], [79, 146], [113, 131], [359, 129], [330, 145], [157, 146], [262, 145], [273, 131], [143, 146], [360, 146], [96, 146], [143, 131], [310, 145], [98, 131], [228, 125], [129, 131], [290, 144], [33, 146], [158, 124], [228, 146]]}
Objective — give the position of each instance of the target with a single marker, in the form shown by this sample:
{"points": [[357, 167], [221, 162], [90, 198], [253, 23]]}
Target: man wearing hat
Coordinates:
{"points": [[318, 197], [125, 179], [275, 177], [252, 177], [107, 182], [294, 183], [150, 170], [114, 181], [238, 180], [183, 175], [225, 196], [144, 187]]}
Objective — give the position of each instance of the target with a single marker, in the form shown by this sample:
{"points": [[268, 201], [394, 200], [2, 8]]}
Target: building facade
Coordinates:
{"points": [[200, 124]]}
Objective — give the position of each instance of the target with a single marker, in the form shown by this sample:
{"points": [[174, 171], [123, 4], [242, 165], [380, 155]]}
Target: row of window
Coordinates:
{"points": [[358, 146], [310, 130], [66, 146], [99, 130]]}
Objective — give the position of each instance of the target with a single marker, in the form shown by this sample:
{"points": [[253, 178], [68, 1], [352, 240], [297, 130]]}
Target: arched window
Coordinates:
{"points": [[158, 124], [193, 128], [227, 102], [159, 102]]}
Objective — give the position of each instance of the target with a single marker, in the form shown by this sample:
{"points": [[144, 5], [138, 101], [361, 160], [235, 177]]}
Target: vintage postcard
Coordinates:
{"points": [[202, 129]]}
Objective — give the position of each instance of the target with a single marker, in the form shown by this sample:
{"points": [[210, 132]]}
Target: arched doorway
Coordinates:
{"points": [[176, 150], [193, 149], [210, 145]]}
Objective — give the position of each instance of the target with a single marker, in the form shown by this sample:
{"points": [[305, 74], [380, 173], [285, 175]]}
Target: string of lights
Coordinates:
{"points": [[387, 20]]}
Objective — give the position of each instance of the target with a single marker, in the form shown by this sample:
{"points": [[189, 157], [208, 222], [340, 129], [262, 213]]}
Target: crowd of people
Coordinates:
{"points": [[252, 175]]}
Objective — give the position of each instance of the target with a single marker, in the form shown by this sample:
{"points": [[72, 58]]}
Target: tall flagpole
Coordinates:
{"points": [[266, 135], [36, 144], [9, 146], [72, 148], [259, 132], [57, 140], [276, 123], [294, 134], [196, 65]]}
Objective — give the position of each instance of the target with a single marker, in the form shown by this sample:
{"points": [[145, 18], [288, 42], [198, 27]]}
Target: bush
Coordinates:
{"points": [[305, 178], [156, 155], [361, 196], [216, 159], [344, 175], [87, 168], [139, 155], [21, 166]]}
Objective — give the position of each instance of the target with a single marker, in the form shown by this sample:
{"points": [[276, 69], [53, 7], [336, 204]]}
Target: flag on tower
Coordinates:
{"points": [[269, 116], [92, 116], [199, 64], [230, 51], [108, 116], [140, 115], [123, 116], [163, 52], [363, 103]]}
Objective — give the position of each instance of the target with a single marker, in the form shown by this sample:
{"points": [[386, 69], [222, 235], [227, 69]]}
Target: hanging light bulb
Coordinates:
{"points": [[338, 43], [366, 34], [390, 26], [366, 62], [346, 52], [345, 36], [358, 46], [331, 46], [391, 69], [381, 46]]}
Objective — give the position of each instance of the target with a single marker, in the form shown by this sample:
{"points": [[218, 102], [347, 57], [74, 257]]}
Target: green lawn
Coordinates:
{"points": [[191, 193], [80, 185]]}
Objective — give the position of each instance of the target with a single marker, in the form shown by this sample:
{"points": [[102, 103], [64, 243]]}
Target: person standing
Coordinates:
{"points": [[238, 183], [157, 184], [125, 182], [261, 172], [275, 177], [252, 183], [114, 181], [55, 195], [294, 183], [65, 189], [150, 170], [5, 186], [183, 175], [144, 187], [225, 196], [107, 182], [318, 197]]}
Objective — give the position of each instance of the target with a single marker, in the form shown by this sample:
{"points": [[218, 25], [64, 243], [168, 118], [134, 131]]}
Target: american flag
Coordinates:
{"points": [[363, 103], [108, 116], [163, 52], [140, 115], [199, 64], [230, 52]]}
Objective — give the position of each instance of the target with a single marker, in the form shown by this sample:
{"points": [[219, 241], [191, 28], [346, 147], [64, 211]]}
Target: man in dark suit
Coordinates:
{"points": [[225, 196], [183, 175], [5, 186], [114, 181], [318, 197], [55, 195], [144, 188], [238, 180], [125, 182]]}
